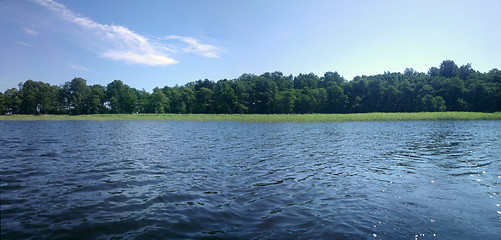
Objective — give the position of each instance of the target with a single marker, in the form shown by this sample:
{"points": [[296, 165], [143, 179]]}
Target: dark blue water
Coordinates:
{"points": [[231, 180]]}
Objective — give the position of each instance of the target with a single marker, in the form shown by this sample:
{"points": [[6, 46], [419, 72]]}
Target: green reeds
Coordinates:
{"points": [[419, 116]]}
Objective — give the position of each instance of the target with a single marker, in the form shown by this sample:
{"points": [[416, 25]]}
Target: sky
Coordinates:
{"points": [[158, 43]]}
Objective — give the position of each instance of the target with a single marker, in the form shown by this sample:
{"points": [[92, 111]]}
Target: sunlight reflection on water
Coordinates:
{"points": [[356, 180]]}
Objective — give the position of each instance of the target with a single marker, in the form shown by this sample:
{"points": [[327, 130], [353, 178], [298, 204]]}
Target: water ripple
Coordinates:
{"points": [[189, 180]]}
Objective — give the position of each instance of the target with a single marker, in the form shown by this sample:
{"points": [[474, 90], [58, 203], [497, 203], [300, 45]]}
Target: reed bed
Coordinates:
{"points": [[418, 116]]}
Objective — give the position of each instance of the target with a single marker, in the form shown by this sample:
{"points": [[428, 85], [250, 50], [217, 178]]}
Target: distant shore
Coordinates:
{"points": [[418, 116]]}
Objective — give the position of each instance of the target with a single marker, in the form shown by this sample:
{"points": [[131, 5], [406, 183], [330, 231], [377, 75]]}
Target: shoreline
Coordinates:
{"points": [[416, 116]]}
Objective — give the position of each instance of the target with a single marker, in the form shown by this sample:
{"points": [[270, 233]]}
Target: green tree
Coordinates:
{"points": [[45, 98], [159, 103], [242, 96], [204, 84], [493, 79], [13, 101], [433, 104], [448, 69], [447, 87], [331, 78], [113, 92], [75, 92], [405, 101], [29, 92], [410, 72], [434, 72], [452, 91], [182, 99], [465, 71], [337, 101], [94, 99], [36, 97], [128, 101], [357, 105], [120, 98], [306, 81], [357, 91], [3, 104], [265, 94], [285, 101], [482, 97], [319, 96], [143, 101], [283, 82], [305, 103], [225, 98], [204, 101]]}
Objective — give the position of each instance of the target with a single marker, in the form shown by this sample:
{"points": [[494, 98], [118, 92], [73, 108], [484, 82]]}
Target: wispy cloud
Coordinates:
{"points": [[285, 34], [30, 31], [24, 44], [194, 46], [78, 67], [120, 43]]}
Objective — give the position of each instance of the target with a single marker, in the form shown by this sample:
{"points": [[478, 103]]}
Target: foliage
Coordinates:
{"points": [[447, 87]]}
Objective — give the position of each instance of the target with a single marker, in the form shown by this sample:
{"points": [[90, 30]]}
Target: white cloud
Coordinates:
{"points": [[24, 44], [131, 57], [193, 46], [120, 43], [78, 67], [30, 31]]}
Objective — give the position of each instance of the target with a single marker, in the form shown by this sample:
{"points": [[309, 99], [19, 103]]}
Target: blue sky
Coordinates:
{"points": [[159, 43]]}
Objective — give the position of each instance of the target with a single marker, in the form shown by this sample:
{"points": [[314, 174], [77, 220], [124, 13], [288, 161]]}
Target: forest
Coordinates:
{"points": [[444, 88]]}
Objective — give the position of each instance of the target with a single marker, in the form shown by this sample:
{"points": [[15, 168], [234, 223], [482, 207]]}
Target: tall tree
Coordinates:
{"points": [[204, 101], [13, 101], [76, 93], [225, 99], [36, 97], [3, 104], [306, 81], [159, 103], [448, 69], [265, 94], [120, 98], [434, 72], [336, 99], [94, 100], [465, 71], [285, 101], [331, 78]]}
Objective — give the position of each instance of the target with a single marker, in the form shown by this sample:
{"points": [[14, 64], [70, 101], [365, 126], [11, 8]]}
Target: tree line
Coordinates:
{"points": [[444, 88]]}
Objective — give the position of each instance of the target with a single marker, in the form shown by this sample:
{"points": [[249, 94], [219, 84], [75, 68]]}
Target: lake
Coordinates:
{"points": [[233, 180]]}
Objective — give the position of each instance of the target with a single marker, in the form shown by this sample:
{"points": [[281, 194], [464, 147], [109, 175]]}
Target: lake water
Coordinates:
{"points": [[232, 180]]}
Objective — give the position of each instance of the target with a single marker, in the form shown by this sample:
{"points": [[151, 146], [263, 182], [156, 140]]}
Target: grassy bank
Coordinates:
{"points": [[435, 116]]}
